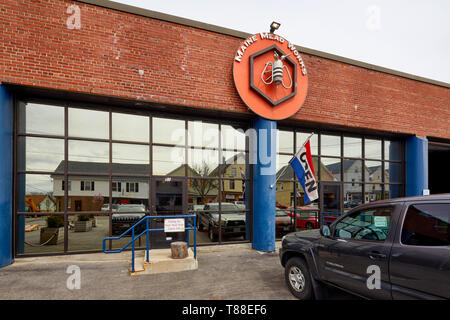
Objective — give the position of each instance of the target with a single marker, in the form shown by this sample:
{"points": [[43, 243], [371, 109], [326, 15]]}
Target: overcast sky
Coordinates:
{"points": [[411, 36]]}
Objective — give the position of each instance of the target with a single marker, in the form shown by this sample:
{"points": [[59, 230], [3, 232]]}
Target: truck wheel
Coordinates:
{"points": [[309, 225], [200, 226], [296, 274]]}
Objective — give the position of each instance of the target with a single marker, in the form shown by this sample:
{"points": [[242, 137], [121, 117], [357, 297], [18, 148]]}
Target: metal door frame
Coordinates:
{"points": [[184, 200], [322, 184]]}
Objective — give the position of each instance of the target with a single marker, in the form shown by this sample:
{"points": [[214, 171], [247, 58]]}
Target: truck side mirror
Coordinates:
{"points": [[325, 231]]}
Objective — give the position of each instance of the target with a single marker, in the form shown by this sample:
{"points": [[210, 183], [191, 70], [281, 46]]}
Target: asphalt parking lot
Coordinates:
{"points": [[233, 272]]}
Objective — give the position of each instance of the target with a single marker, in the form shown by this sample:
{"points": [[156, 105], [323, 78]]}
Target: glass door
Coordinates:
{"points": [[168, 200], [330, 201]]}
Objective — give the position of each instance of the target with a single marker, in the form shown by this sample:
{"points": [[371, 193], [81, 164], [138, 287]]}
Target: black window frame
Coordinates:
{"points": [[117, 185], [84, 183], [73, 102], [385, 185]]}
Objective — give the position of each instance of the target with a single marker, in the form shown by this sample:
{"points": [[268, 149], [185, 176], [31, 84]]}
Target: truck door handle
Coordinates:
{"points": [[376, 255]]}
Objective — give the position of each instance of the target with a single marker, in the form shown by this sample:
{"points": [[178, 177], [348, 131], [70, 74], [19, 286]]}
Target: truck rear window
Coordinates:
{"points": [[426, 225]]}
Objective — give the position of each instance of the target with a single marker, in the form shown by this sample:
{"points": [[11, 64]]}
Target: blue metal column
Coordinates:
{"points": [[416, 166], [264, 175], [6, 183]]}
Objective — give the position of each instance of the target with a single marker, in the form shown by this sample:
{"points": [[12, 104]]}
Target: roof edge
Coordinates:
{"points": [[243, 35]]}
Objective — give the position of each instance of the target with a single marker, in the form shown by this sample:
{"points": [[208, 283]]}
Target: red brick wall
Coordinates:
{"points": [[192, 67]]}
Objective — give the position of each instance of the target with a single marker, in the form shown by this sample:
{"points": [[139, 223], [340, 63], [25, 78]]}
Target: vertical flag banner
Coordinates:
{"points": [[304, 170]]}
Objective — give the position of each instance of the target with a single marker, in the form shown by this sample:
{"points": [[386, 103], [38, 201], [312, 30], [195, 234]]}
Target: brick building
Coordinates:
{"points": [[99, 82]]}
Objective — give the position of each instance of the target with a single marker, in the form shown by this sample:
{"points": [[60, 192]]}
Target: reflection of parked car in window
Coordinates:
{"points": [[126, 216], [283, 223], [193, 208], [114, 207], [352, 204], [307, 218], [389, 249], [240, 204], [330, 216], [233, 223]]}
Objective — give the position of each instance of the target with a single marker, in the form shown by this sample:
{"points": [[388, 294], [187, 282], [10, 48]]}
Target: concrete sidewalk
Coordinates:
{"points": [[224, 272]]}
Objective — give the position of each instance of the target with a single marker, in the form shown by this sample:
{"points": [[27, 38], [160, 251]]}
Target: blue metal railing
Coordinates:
{"points": [[147, 232]]}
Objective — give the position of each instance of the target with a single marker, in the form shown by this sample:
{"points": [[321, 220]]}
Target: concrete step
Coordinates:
{"points": [[160, 261]]}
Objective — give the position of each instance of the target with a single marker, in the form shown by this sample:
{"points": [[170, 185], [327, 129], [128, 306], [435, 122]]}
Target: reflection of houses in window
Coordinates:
{"points": [[353, 175], [374, 191], [86, 185], [352, 172], [199, 191], [40, 203], [88, 190], [233, 167], [63, 185], [116, 186], [132, 187], [180, 171], [375, 174], [202, 191], [47, 205], [285, 190]]}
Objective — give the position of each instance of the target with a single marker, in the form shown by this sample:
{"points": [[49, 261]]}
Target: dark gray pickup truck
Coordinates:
{"points": [[389, 249]]}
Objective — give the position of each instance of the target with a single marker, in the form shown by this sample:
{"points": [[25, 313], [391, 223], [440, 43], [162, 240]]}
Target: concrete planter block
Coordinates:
{"points": [[83, 226]]}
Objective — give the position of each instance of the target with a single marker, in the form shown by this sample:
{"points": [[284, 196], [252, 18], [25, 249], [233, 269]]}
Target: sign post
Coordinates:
{"points": [[271, 78], [264, 175]]}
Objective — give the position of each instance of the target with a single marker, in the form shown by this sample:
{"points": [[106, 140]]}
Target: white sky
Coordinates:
{"points": [[411, 36]]}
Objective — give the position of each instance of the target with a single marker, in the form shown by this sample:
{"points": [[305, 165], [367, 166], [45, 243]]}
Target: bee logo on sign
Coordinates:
{"points": [[270, 76], [275, 71]]}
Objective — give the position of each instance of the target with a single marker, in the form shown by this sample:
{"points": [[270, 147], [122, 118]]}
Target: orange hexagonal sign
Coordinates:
{"points": [[270, 76]]}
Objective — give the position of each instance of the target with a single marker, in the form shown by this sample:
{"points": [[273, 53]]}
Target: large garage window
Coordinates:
{"points": [[120, 165], [351, 170]]}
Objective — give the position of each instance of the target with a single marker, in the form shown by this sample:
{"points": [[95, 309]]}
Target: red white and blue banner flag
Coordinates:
{"points": [[304, 170]]}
